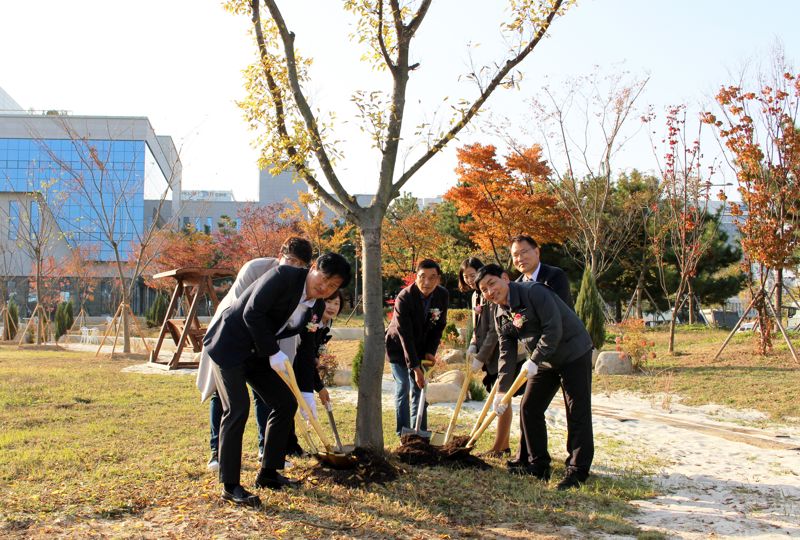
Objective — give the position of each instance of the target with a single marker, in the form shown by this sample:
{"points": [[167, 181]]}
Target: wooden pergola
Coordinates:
{"points": [[191, 284]]}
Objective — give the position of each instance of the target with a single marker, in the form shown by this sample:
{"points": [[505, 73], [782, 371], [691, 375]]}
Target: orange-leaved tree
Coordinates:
{"points": [[409, 235], [506, 200], [760, 131]]}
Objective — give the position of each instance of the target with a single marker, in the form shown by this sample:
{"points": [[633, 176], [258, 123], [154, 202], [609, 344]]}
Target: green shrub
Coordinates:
{"points": [[451, 335], [158, 310], [356, 366], [476, 390], [11, 322], [61, 320], [589, 308]]}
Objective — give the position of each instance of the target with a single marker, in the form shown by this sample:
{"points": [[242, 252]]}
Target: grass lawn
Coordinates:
{"points": [[740, 378], [89, 451]]}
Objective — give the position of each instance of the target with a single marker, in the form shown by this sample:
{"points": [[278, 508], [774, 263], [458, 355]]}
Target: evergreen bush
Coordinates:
{"points": [[356, 367], [10, 329], [589, 308], [158, 310]]}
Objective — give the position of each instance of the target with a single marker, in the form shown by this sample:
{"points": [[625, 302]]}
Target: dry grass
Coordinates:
{"points": [[740, 378], [89, 451]]}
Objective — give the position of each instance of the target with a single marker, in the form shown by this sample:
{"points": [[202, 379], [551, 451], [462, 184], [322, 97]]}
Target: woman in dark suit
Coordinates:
{"points": [[484, 349]]}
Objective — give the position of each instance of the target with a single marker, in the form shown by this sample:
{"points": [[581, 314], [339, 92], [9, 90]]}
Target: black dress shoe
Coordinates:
{"points": [[516, 464], [532, 470], [274, 480], [570, 481], [239, 495]]}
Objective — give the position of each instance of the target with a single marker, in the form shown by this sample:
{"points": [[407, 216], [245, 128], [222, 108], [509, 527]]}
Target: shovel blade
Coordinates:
{"points": [[438, 439], [418, 433]]}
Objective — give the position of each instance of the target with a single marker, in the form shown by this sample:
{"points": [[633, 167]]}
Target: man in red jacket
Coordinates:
{"points": [[414, 333]]}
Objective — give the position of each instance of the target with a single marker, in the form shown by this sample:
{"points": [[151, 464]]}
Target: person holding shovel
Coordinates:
{"points": [[412, 338], [295, 251], [243, 344], [313, 339], [484, 349], [560, 354]]}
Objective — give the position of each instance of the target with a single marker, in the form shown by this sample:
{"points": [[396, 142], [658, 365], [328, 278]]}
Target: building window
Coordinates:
{"points": [[186, 223], [207, 228], [13, 220]]}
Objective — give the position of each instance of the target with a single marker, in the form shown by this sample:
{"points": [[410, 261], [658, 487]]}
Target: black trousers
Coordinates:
{"points": [[575, 380], [232, 388]]}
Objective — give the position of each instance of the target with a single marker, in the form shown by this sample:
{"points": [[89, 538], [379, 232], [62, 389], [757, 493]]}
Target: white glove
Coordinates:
{"points": [[476, 364], [499, 407], [308, 397], [276, 361], [472, 349], [532, 368]]}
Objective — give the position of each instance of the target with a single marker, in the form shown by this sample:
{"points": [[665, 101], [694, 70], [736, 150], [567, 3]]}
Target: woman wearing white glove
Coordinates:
{"points": [[484, 348]]}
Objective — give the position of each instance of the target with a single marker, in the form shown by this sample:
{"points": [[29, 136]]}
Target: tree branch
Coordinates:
{"points": [[473, 110]]}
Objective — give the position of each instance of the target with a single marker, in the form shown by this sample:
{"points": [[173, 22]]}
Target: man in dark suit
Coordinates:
{"points": [[560, 354], [525, 253], [243, 344], [418, 320]]}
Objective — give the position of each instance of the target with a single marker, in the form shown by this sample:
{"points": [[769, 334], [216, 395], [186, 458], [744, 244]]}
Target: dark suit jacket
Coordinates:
{"points": [[552, 333], [413, 333], [249, 326], [555, 278], [305, 361], [484, 335]]}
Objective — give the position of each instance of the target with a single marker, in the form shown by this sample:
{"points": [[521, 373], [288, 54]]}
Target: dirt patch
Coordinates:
{"points": [[416, 450], [370, 468]]}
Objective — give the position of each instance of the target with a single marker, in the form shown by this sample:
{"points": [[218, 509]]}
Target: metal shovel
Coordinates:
{"points": [[435, 438], [329, 409], [340, 460]]}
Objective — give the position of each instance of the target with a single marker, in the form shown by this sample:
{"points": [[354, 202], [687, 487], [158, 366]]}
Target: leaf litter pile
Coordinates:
{"points": [[416, 450], [370, 468]]}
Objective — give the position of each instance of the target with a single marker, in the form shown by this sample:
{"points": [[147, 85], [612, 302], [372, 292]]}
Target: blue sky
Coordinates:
{"points": [[179, 61]]}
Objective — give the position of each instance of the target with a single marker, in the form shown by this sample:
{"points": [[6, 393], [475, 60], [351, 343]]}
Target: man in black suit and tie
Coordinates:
{"points": [[243, 344], [525, 253], [560, 354], [418, 320]]}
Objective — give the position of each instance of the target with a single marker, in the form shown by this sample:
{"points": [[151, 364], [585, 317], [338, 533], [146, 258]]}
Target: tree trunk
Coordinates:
{"points": [[369, 419], [126, 330], [38, 333], [691, 302], [675, 309], [779, 293]]}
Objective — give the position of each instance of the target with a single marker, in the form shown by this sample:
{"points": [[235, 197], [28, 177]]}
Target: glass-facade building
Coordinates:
{"points": [[94, 188]]}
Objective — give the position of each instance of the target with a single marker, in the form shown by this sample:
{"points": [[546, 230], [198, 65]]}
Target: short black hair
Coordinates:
{"points": [[469, 262], [427, 264], [298, 247], [333, 264], [524, 238], [340, 295], [488, 270]]}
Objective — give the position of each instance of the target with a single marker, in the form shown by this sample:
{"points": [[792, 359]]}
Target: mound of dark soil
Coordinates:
{"points": [[370, 468], [416, 450]]}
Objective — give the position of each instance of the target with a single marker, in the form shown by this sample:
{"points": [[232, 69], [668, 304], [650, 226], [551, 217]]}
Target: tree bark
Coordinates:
{"points": [[779, 293], [369, 419], [691, 302]]}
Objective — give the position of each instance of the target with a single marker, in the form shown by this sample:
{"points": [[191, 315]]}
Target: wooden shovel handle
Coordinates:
{"points": [[303, 430], [467, 377], [304, 406], [485, 410], [518, 382]]}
